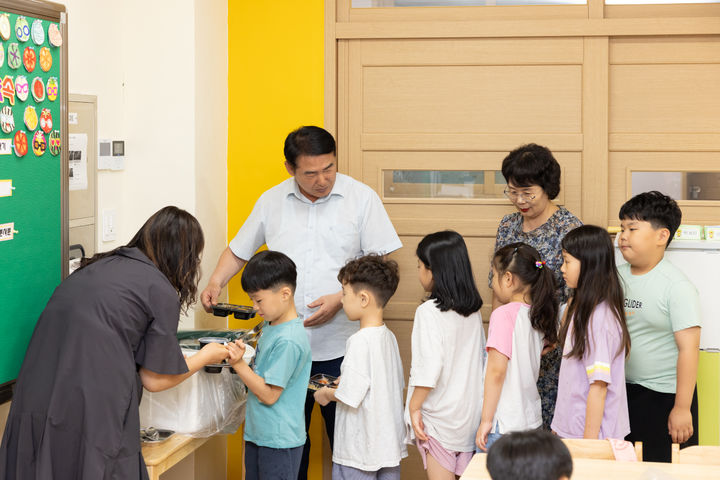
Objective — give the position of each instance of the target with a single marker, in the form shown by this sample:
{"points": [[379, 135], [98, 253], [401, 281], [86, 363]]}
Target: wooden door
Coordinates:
{"points": [[426, 103], [451, 106]]}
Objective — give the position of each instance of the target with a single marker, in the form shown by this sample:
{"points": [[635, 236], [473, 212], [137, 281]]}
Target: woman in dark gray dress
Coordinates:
{"points": [[108, 330]]}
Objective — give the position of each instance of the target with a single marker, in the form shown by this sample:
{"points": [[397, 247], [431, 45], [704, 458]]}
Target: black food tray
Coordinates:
{"points": [[155, 435], [242, 312]]}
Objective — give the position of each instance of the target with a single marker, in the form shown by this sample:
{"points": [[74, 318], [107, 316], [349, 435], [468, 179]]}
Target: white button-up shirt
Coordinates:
{"points": [[320, 238]]}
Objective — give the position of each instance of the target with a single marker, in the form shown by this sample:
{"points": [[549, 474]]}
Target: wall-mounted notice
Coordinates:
{"points": [[78, 161], [6, 188], [7, 230], [6, 146]]}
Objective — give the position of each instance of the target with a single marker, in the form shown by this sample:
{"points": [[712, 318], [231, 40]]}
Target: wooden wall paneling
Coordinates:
{"points": [[659, 50], [493, 99], [596, 8], [342, 100], [595, 132], [473, 51], [355, 108], [343, 105], [607, 27], [664, 142], [671, 10], [343, 10], [465, 219], [665, 98], [331, 70], [488, 142], [422, 14]]}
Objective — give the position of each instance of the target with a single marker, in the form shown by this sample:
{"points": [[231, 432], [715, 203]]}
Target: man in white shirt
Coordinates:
{"points": [[320, 219]]}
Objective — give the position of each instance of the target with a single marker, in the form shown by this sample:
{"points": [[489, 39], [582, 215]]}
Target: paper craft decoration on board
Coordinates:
{"points": [[20, 143], [54, 35], [5, 26], [6, 188], [45, 59], [39, 144], [30, 117], [52, 89], [22, 29], [55, 143], [7, 90], [46, 121], [37, 32], [22, 87], [7, 120], [38, 89], [29, 59], [7, 230], [14, 59], [2, 54]]}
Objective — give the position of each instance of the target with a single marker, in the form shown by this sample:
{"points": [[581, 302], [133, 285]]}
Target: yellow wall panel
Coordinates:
{"points": [[276, 84]]}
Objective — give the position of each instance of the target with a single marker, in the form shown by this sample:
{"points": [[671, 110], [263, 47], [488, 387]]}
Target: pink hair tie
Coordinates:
{"points": [[540, 264]]}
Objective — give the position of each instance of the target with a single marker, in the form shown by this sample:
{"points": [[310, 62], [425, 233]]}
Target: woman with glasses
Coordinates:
{"points": [[533, 181]]}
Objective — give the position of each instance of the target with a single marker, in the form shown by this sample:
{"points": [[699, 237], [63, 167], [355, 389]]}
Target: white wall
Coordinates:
{"points": [[211, 108], [159, 70]]}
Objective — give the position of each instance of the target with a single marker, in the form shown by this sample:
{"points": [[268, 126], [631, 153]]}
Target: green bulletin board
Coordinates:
{"points": [[32, 216]]}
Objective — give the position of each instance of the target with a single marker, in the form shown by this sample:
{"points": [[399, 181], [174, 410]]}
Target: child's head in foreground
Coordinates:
{"points": [[367, 282], [534, 454], [269, 279], [648, 223]]}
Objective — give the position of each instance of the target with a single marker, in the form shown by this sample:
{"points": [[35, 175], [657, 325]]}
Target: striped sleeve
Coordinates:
{"points": [[602, 347]]}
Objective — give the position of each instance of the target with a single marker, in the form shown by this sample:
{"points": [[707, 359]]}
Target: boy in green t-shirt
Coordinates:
{"points": [[662, 309], [275, 420]]}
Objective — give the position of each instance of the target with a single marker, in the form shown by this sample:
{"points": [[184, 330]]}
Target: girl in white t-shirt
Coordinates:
{"points": [[448, 355], [519, 330]]}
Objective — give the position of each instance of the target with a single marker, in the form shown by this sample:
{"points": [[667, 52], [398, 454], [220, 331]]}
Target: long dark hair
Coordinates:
{"points": [[598, 282], [173, 240], [525, 263], [445, 255]]}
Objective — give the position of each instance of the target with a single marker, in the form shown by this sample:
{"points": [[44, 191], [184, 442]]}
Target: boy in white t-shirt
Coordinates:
{"points": [[369, 427]]}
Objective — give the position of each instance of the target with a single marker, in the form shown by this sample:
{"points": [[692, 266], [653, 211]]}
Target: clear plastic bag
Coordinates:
{"points": [[203, 405]]}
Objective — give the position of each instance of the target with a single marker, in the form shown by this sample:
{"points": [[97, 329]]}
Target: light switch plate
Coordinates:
{"points": [[109, 228]]}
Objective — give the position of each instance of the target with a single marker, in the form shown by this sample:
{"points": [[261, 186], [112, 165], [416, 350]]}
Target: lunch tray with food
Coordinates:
{"points": [[321, 380]]}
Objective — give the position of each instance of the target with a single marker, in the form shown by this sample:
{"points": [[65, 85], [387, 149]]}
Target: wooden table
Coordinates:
{"points": [[160, 457], [587, 469]]}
